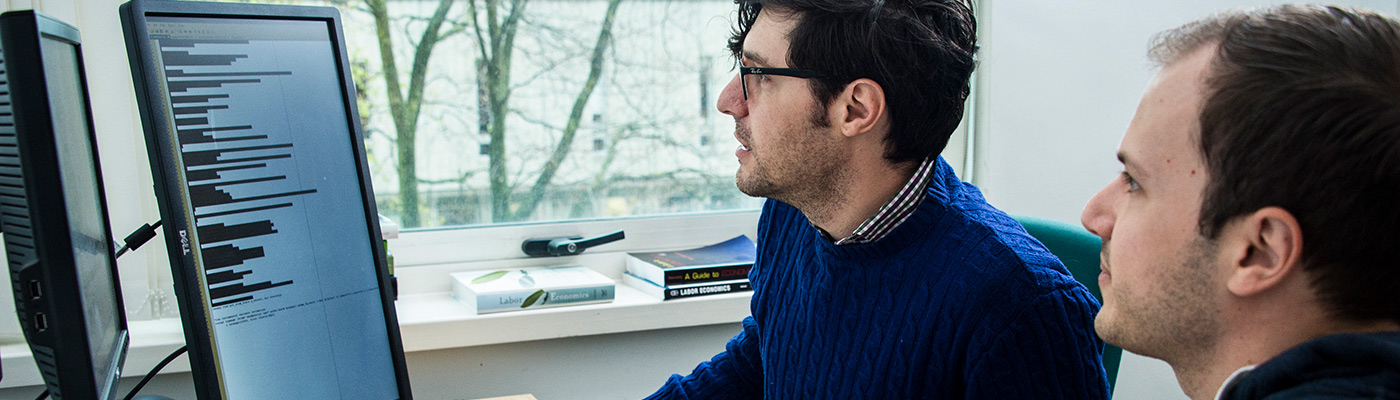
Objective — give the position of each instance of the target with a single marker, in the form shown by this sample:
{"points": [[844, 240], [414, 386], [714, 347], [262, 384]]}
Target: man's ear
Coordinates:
{"points": [[1269, 248], [861, 107]]}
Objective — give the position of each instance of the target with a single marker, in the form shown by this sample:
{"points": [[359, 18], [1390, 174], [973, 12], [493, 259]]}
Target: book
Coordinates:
{"points": [[524, 289], [724, 261], [683, 291]]}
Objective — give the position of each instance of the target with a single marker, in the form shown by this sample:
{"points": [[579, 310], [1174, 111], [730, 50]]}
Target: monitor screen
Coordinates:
{"points": [[263, 185], [61, 261], [92, 250]]}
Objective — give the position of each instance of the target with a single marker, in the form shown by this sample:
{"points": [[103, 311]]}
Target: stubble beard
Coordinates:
{"points": [[802, 176], [1177, 323], [753, 183]]}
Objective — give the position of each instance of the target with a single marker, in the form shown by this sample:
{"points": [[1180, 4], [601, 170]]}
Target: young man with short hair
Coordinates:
{"points": [[880, 275], [1250, 239]]}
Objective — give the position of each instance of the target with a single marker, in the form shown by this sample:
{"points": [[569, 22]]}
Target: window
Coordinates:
{"points": [[577, 109]]}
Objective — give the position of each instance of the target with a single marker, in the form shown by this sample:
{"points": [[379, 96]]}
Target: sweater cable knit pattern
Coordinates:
{"points": [[956, 302]]}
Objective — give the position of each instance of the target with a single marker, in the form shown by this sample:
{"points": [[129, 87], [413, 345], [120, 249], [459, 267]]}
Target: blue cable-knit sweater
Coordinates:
{"points": [[958, 302]]}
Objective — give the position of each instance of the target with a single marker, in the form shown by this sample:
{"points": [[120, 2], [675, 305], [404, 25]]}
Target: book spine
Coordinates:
{"points": [[464, 294], [702, 275], [705, 290], [543, 298], [645, 270]]}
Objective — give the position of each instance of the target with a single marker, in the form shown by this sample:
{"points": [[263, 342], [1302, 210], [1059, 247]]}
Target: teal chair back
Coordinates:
{"points": [[1079, 251]]}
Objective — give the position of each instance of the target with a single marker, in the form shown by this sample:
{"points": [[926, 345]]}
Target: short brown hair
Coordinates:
{"points": [[919, 51], [1303, 113]]}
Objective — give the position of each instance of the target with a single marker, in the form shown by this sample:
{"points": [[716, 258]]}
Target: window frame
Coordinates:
{"points": [[501, 242]]}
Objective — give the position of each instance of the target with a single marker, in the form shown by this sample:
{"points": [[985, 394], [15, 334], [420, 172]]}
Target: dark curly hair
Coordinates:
{"points": [[919, 51]]}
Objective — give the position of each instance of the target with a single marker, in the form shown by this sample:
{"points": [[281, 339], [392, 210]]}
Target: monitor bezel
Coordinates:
{"points": [[67, 370], [151, 103]]}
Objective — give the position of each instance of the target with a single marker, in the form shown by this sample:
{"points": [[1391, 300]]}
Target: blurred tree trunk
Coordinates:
{"points": [[497, 45], [495, 23], [404, 106]]}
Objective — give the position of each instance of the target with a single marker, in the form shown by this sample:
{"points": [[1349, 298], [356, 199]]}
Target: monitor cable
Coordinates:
{"points": [[132, 395], [152, 374], [132, 242], [138, 238]]}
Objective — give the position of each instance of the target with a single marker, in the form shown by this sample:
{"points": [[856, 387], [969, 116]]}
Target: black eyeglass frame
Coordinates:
{"points": [[793, 72]]}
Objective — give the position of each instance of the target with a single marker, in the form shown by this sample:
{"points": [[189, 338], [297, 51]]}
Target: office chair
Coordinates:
{"points": [[1079, 251]]}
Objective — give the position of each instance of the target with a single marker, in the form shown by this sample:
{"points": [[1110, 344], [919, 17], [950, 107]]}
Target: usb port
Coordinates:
{"points": [[41, 323], [35, 291]]}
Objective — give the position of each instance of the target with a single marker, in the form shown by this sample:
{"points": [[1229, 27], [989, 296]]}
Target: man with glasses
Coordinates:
{"points": [[1250, 240], [880, 275]]}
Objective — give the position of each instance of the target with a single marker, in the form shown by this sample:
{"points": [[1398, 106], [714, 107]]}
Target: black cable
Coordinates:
{"points": [[138, 238], [144, 380], [152, 374]]}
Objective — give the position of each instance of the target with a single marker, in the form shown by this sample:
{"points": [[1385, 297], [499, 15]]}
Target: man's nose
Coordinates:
{"points": [[1098, 216], [731, 100]]}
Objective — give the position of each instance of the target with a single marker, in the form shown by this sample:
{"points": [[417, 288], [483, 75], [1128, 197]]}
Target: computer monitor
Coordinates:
{"points": [[264, 190], [53, 211]]}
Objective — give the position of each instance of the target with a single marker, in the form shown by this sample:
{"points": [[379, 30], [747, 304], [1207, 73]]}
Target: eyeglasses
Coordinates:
{"points": [[744, 72]]}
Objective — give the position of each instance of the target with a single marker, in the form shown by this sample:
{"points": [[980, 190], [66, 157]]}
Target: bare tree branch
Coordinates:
{"points": [[595, 69], [405, 107]]}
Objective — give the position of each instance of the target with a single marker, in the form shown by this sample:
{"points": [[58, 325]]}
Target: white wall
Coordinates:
{"points": [[1058, 82]]}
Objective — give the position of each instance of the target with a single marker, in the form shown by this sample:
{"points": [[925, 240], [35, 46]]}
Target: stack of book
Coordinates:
{"points": [[715, 269], [525, 289]]}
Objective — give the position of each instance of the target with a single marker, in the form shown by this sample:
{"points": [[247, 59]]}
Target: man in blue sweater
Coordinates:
{"points": [[880, 275], [1250, 240]]}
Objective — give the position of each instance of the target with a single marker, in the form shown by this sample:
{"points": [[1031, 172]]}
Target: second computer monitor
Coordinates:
{"points": [[264, 192], [53, 211]]}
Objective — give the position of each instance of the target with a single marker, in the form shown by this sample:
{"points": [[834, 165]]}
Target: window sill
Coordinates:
{"points": [[437, 321], [430, 318]]}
